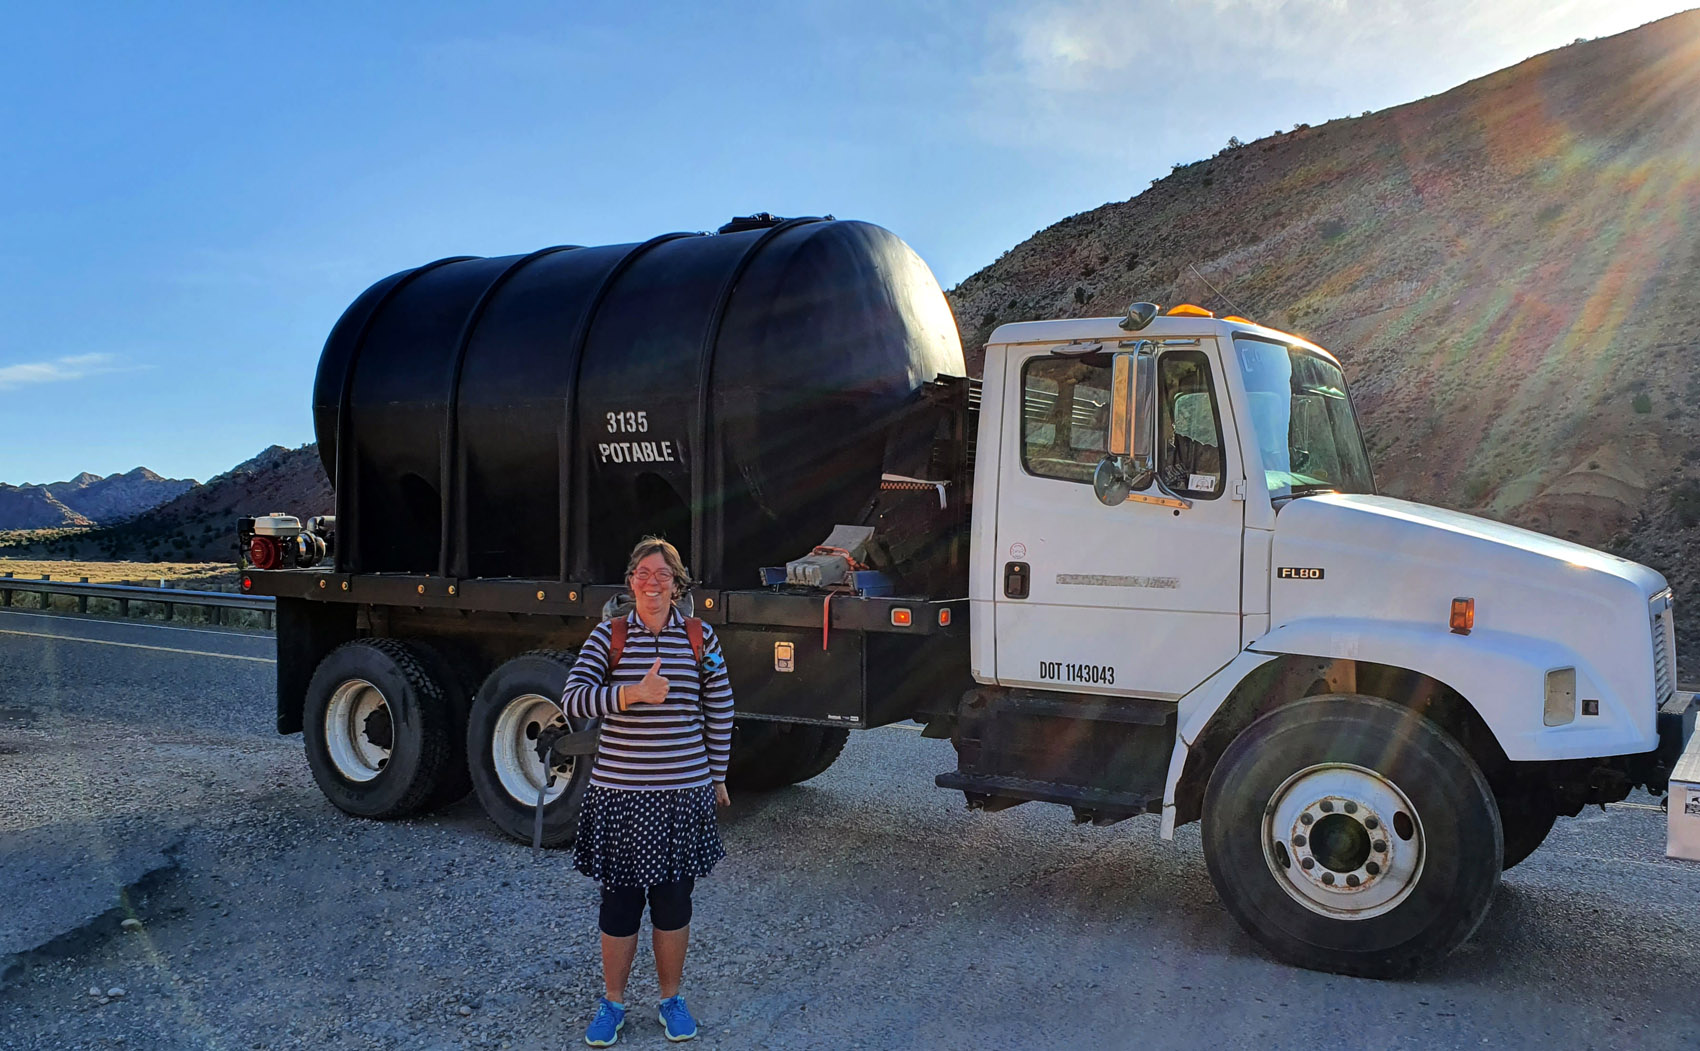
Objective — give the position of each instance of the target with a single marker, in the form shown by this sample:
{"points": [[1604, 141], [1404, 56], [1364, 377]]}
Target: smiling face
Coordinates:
{"points": [[651, 582]]}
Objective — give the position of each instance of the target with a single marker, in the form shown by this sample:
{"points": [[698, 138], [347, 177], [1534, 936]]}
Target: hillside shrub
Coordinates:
{"points": [[1685, 501], [1642, 403]]}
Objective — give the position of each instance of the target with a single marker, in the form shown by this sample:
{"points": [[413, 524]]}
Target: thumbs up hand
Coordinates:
{"points": [[652, 690]]}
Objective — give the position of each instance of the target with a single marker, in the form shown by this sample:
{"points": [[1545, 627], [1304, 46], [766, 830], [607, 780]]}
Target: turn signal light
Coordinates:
{"points": [[1463, 615], [901, 617]]}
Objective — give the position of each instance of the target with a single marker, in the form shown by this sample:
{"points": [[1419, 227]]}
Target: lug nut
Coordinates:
{"points": [[1351, 808], [1371, 823], [1328, 878], [1299, 840], [1352, 880], [1379, 846], [1305, 819], [1372, 868], [1326, 806], [1307, 864]]}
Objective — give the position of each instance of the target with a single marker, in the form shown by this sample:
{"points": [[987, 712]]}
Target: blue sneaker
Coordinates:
{"points": [[676, 1019], [605, 1028]]}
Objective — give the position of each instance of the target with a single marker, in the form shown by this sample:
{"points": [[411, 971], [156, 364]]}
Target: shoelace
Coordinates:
{"points": [[606, 1011], [675, 1011]]}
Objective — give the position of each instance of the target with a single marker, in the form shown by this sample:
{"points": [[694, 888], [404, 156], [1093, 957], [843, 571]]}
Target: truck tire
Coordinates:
{"points": [[1349, 834], [768, 755], [519, 700], [378, 728], [457, 674], [1526, 823]]}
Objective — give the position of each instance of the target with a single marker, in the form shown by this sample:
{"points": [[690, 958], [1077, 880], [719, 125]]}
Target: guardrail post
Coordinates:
{"points": [[266, 618], [46, 599], [6, 593], [83, 600]]}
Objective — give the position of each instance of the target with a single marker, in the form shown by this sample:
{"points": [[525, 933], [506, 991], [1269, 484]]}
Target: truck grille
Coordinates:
{"points": [[1664, 669]]}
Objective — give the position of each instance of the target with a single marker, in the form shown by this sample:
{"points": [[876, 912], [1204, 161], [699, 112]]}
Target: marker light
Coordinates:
{"points": [[1241, 320], [901, 617], [1189, 310], [944, 618], [1463, 615]]}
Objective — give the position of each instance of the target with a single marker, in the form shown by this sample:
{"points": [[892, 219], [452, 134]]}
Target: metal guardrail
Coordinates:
{"points": [[213, 602]]}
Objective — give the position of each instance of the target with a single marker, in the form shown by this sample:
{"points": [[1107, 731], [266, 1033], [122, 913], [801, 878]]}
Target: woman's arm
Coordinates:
{"points": [[586, 695], [717, 706]]}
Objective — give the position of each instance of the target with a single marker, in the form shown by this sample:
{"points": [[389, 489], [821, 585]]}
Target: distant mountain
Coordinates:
{"points": [[35, 507], [118, 496], [87, 499], [199, 524]]}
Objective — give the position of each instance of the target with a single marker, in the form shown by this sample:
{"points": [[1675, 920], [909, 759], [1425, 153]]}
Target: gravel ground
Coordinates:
{"points": [[863, 909]]}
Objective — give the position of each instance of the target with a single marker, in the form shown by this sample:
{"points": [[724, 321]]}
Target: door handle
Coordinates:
{"points": [[1017, 576]]}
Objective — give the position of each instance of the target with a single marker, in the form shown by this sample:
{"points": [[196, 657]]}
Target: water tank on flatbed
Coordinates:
{"points": [[531, 416]]}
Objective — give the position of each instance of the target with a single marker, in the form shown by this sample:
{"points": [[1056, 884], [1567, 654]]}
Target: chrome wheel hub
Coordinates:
{"points": [[1343, 841], [513, 750], [359, 732]]}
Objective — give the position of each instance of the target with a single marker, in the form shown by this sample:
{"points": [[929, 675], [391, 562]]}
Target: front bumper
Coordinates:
{"points": [[1675, 726]]}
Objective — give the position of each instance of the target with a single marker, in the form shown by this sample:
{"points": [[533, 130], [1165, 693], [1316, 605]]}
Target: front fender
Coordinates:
{"points": [[1501, 675]]}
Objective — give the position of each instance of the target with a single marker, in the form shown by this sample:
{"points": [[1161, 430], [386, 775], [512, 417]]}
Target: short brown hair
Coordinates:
{"points": [[651, 545]]}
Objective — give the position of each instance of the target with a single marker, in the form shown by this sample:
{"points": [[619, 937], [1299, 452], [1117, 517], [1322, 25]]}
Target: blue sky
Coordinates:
{"points": [[192, 193]]}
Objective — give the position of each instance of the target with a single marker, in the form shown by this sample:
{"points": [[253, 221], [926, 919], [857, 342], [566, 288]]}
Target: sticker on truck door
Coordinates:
{"points": [[1091, 674]]}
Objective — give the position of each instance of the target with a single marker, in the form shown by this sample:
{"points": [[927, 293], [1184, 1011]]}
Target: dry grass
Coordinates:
{"points": [[199, 576], [188, 576]]}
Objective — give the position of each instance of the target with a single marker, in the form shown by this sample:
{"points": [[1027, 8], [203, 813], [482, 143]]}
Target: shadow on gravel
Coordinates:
{"points": [[66, 888]]}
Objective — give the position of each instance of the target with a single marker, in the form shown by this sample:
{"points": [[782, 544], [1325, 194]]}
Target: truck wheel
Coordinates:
{"points": [[458, 676], [1526, 823], [378, 728], [517, 702], [768, 755], [1348, 834]]}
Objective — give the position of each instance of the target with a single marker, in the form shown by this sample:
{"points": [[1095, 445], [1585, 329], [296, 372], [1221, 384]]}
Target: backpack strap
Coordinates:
{"points": [[693, 630], [616, 641]]}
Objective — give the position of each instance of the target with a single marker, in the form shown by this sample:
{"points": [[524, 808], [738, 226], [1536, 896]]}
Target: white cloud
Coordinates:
{"points": [[71, 367]]}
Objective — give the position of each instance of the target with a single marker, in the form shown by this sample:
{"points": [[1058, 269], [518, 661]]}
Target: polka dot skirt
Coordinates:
{"points": [[630, 838]]}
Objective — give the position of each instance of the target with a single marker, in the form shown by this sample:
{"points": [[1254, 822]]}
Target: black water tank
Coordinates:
{"points": [[532, 416]]}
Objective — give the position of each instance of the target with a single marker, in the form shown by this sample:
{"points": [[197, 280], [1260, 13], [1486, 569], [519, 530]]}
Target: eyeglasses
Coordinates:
{"points": [[644, 576]]}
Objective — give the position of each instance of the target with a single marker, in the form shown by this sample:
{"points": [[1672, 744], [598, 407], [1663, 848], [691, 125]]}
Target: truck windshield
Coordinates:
{"points": [[1305, 425]]}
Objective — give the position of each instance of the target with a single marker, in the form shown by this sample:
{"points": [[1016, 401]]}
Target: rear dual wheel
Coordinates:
{"points": [[768, 755], [519, 701], [1349, 834], [380, 728]]}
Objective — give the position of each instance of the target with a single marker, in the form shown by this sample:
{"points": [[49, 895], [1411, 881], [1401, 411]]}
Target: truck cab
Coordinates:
{"points": [[1188, 599]]}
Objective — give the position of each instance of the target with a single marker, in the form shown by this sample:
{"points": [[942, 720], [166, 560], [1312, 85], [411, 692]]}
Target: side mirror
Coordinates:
{"points": [[1130, 462]]}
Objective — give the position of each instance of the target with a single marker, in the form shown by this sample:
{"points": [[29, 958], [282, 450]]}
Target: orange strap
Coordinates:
{"points": [[617, 639]]}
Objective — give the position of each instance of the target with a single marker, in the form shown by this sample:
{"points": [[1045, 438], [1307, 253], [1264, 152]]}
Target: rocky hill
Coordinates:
{"points": [[87, 499], [35, 507], [1509, 270], [200, 524]]}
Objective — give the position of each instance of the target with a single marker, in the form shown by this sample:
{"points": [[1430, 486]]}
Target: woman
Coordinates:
{"points": [[647, 829]]}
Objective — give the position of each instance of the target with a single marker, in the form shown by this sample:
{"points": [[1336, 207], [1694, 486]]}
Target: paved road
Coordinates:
{"points": [[864, 909]]}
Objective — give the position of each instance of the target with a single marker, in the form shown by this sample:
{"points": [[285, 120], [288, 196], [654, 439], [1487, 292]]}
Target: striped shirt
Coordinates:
{"points": [[654, 746]]}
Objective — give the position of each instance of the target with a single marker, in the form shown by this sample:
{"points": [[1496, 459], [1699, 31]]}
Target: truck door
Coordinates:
{"points": [[1140, 599]]}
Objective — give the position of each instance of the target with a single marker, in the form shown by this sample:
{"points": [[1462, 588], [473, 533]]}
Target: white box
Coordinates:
{"points": [[1682, 812]]}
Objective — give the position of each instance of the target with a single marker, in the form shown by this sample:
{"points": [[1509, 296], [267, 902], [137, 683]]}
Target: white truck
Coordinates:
{"points": [[1139, 568]]}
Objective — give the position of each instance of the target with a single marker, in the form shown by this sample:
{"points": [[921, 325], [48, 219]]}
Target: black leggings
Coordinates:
{"points": [[669, 907]]}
